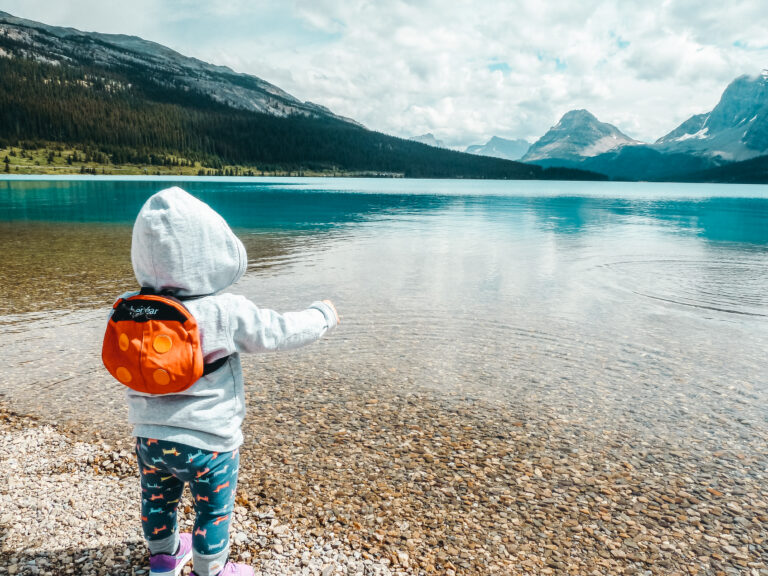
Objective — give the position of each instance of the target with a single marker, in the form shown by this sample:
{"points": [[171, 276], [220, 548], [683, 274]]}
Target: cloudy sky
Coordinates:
{"points": [[463, 70]]}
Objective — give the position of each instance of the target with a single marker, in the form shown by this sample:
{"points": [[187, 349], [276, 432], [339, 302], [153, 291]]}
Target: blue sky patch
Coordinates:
{"points": [[620, 42], [502, 66]]}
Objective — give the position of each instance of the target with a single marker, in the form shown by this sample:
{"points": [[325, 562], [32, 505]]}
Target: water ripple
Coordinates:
{"points": [[734, 286]]}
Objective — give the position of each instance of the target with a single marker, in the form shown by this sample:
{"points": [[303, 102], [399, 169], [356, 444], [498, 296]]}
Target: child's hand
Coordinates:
{"points": [[335, 312]]}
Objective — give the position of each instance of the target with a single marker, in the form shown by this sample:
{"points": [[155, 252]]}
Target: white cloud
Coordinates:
{"points": [[410, 67]]}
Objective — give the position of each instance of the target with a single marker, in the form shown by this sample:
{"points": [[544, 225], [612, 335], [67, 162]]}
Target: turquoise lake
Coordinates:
{"points": [[643, 305]]}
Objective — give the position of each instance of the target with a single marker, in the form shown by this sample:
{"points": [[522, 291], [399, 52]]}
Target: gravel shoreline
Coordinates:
{"points": [[69, 507], [344, 481]]}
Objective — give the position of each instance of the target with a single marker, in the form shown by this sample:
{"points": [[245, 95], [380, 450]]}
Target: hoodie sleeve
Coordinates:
{"points": [[254, 329]]}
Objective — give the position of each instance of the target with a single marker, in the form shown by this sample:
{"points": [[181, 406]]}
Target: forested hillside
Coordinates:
{"points": [[126, 118]]}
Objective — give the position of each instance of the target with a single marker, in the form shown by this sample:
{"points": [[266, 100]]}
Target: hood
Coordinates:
{"points": [[182, 244]]}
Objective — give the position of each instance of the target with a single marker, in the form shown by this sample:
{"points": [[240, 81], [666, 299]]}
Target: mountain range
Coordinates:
{"points": [[121, 99], [735, 131], [728, 144], [498, 147], [68, 46]]}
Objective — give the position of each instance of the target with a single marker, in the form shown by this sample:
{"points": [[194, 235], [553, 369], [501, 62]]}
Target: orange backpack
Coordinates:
{"points": [[152, 344]]}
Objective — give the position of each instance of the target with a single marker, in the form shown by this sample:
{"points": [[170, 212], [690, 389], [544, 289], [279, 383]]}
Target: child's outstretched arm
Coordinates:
{"points": [[256, 329]]}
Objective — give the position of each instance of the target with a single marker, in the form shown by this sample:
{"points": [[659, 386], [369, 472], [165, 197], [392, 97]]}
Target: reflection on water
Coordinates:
{"points": [[713, 212], [641, 305], [68, 266], [60, 266]]}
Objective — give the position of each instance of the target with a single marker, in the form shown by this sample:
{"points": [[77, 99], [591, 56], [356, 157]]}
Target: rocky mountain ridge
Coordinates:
{"points": [[736, 129], [498, 147], [578, 134], [57, 45]]}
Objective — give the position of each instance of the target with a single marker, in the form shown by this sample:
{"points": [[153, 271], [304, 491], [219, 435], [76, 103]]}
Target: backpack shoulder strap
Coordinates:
{"points": [[215, 365]]}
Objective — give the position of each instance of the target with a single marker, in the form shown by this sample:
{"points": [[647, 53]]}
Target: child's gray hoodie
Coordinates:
{"points": [[180, 243]]}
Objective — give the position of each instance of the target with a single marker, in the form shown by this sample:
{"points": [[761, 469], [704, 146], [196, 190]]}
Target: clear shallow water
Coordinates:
{"points": [[630, 305]]}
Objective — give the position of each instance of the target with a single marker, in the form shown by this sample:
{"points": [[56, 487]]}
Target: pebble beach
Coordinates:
{"points": [[343, 480]]}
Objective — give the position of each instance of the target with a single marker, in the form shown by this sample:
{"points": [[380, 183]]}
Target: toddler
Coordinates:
{"points": [[183, 248]]}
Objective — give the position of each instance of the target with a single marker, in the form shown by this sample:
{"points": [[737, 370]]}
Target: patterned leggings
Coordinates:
{"points": [[165, 467]]}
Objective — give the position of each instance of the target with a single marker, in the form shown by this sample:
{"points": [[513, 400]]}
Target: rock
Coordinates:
{"points": [[402, 558]]}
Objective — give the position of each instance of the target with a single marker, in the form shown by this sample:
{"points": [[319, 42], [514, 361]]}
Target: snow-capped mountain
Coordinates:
{"points": [[736, 129], [498, 147], [577, 135], [428, 139], [57, 45]]}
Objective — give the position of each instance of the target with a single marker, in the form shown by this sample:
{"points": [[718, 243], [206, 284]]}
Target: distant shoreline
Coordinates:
{"points": [[101, 170], [55, 162]]}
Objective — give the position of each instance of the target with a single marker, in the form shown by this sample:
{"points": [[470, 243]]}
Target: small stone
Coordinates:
{"points": [[402, 558]]}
